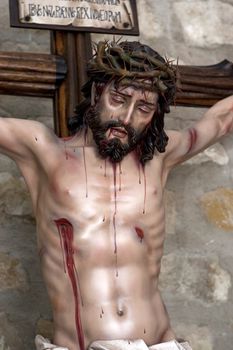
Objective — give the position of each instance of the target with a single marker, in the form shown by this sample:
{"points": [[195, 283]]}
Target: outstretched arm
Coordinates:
{"points": [[18, 138], [216, 122], [29, 144]]}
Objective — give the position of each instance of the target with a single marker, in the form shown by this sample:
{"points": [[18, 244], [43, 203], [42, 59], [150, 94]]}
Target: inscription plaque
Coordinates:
{"points": [[108, 16]]}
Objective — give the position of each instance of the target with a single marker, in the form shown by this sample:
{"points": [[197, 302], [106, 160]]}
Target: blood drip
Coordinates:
{"points": [[66, 153], [120, 172], [66, 233], [140, 233], [144, 201], [85, 167], [105, 168], [144, 331], [139, 174], [102, 311], [114, 216], [36, 138], [104, 219]]}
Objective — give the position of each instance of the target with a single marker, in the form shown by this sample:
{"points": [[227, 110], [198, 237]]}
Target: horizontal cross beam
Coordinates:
{"points": [[29, 74], [202, 86], [60, 76]]}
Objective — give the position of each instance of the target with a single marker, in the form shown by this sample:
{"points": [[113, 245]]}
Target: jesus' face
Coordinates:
{"points": [[120, 119]]}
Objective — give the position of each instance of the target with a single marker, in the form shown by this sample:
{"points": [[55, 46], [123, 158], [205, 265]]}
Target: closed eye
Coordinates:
{"points": [[117, 98], [145, 108]]}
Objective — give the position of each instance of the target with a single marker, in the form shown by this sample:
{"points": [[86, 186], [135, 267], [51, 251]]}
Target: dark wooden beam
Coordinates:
{"points": [[29, 74], [202, 86], [76, 50], [61, 75]]}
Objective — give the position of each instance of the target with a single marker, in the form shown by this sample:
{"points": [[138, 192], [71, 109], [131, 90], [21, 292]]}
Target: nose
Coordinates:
{"points": [[127, 115]]}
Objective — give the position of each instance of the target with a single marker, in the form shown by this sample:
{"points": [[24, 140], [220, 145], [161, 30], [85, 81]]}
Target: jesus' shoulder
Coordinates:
{"points": [[31, 145]]}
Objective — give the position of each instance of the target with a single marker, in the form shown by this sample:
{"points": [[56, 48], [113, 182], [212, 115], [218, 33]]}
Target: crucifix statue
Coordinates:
{"points": [[98, 199]]}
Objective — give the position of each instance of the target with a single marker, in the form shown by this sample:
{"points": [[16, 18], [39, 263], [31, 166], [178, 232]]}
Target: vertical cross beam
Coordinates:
{"points": [[76, 50]]}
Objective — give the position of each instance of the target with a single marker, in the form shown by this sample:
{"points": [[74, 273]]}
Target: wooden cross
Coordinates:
{"points": [[61, 74]]}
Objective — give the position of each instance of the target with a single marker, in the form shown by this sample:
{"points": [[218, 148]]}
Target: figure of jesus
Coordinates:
{"points": [[98, 198]]}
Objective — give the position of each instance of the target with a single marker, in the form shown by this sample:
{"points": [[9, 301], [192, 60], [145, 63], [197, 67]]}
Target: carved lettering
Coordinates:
{"points": [[106, 14], [84, 13]]}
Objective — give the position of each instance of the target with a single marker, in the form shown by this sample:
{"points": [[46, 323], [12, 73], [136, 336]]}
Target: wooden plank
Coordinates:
{"points": [[204, 85], [76, 49], [27, 74]]}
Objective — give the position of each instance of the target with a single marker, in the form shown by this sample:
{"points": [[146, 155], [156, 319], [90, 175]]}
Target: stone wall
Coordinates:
{"points": [[197, 271]]}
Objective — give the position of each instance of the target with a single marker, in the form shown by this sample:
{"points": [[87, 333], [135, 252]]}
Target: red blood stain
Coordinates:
{"points": [[192, 138], [140, 233], [66, 233]]}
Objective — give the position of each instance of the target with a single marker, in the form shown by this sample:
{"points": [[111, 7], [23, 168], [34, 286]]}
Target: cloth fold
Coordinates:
{"points": [[138, 344], [44, 344]]}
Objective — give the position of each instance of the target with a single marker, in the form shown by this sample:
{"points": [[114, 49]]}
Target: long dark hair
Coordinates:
{"points": [[141, 60]]}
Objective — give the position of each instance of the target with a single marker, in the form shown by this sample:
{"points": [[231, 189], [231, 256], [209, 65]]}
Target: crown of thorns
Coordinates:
{"points": [[132, 67]]}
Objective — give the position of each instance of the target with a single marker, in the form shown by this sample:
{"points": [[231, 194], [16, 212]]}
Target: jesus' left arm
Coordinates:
{"points": [[216, 122]]}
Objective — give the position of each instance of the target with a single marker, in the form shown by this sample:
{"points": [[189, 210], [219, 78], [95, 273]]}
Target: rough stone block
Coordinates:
{"points": [[45, 328], [14, 196], [218, 207], [215, 153], [195, 277], [205, 23], [200, 338], [170, 210], [9, 338], [12, 275]]}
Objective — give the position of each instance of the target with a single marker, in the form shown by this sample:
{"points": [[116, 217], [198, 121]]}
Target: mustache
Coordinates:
{"points": [[114, 149], [117, 124]]}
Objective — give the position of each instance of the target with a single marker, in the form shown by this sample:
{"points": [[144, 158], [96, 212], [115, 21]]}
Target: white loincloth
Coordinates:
{"points": [[44, 344], [137, 345]]}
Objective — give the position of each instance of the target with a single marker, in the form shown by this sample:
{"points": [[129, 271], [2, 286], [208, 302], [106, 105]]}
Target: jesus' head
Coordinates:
{"points": [[128, 93]]}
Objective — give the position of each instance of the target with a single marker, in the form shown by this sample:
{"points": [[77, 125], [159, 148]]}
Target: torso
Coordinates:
{"points": [[100, 237]]}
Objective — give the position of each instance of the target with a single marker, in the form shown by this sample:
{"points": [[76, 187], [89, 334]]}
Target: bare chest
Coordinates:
{"points": [[104, 202], [92, 189]]}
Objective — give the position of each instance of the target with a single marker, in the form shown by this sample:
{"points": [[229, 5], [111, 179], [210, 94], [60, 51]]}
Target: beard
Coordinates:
{"points": [[113, 149]]}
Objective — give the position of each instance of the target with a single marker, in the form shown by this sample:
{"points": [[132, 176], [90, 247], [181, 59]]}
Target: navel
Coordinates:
{"points": [[120, 313], [121, 309]]}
